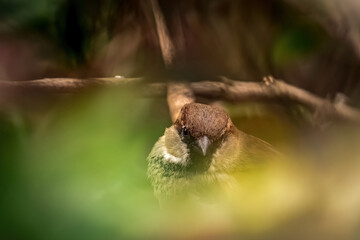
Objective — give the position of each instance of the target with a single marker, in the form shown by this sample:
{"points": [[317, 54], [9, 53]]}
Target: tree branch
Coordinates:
{"points": [[178, 95], [66, 85], [226, 90], [166, 45], [270, 90]]}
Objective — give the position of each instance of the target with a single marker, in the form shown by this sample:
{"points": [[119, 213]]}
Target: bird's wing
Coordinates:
{"points": [[251, 153], [259, 151]]}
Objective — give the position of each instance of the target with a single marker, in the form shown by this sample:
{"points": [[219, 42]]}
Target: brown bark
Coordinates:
{"points": [[226, 90], [178, 95]]}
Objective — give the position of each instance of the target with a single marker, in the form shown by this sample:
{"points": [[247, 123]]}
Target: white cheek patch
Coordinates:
{"points": [[171, 158]]}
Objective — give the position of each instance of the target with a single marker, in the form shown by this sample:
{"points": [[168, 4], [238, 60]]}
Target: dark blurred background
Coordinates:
{"points": [[73, 166], [311, 44]]}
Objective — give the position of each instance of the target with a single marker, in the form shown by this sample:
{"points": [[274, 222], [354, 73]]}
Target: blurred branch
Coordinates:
{"points": [[178, 94], [270, 90], [166, 45], [65, 85], [226, 90]]}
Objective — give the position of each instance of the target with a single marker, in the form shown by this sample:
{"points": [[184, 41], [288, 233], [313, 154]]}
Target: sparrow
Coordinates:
{"points": [[202, 149]]}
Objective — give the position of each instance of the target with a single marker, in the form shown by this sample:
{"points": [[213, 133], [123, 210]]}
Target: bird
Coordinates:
{"points": [[202, 149]]}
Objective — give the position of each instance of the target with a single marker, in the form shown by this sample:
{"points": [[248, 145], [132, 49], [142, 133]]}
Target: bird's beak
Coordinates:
{"points": [[204, 144]]}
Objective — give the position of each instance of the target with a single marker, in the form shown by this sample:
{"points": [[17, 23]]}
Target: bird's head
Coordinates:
{"points": [[197, 133]]}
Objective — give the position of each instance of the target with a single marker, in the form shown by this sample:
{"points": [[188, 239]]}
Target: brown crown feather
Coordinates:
{"points": [[203, 120]]}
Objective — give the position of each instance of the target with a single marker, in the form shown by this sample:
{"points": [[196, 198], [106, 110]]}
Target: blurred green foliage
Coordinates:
{"points": [[79, 172], [296, 42], [77, 169], [84, 176]]}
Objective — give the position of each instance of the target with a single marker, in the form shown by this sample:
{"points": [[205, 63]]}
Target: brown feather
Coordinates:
{"points": [[203, 120]]}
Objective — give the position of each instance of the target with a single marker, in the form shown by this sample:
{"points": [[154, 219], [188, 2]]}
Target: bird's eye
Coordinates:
{"points": [[184, 134], [185, 131]]}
